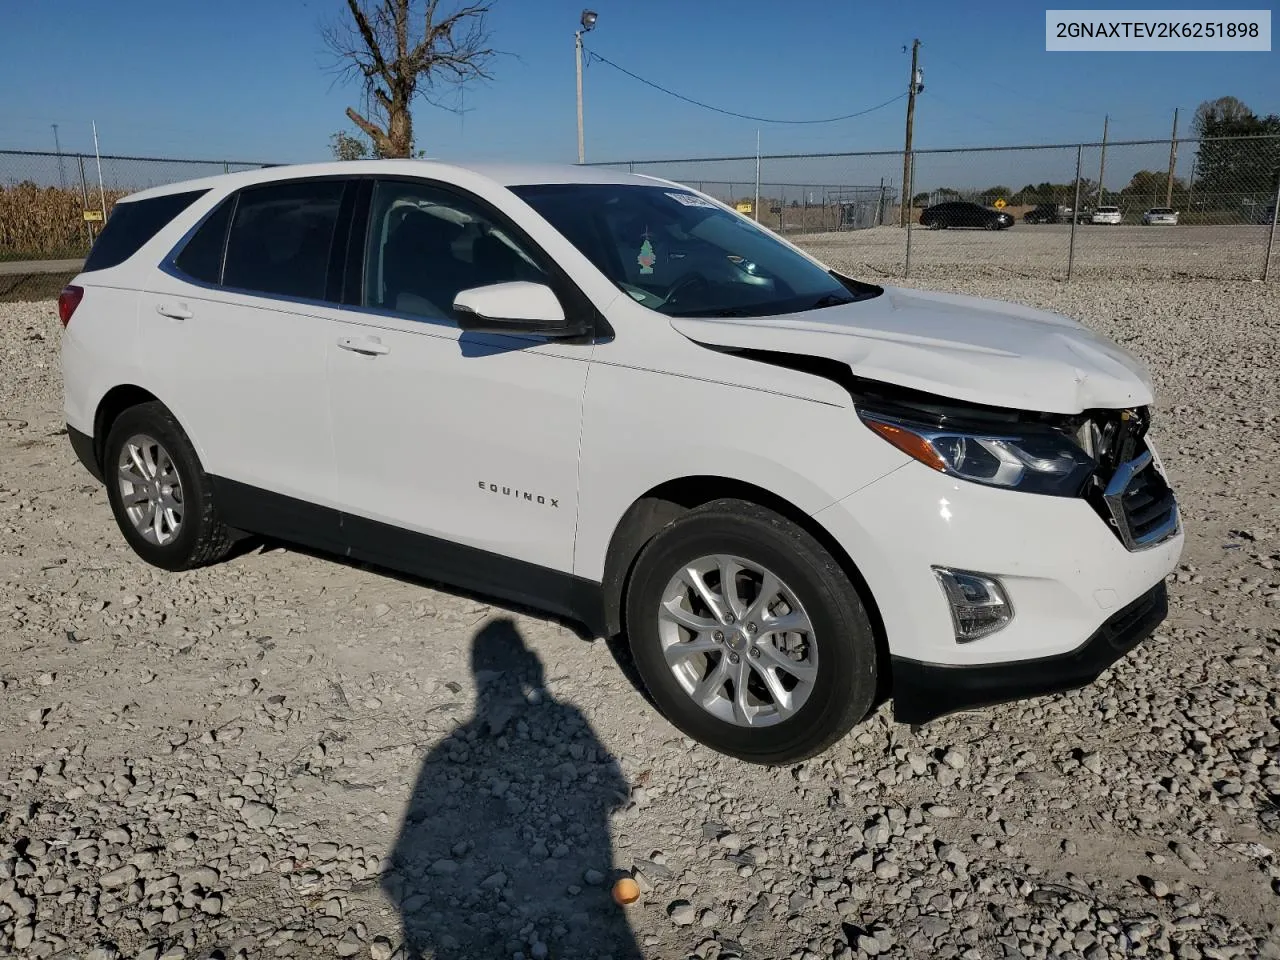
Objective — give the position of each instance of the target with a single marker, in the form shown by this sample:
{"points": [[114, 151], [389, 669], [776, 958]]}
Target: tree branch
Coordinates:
{"points": [[379, 64], [371, 130]]}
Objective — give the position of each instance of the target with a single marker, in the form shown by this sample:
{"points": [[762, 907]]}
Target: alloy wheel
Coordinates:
{"points": [[150, 489], [738, 641]]}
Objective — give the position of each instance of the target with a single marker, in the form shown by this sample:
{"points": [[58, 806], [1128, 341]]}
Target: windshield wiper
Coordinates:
{"points": [[829, 300], [724, 312]]}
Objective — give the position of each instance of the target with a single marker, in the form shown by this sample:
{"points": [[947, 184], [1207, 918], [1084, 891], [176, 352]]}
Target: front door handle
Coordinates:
{"points": [[369, 346], [174, 311]]}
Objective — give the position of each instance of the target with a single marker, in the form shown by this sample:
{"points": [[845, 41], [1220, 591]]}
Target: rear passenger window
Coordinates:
{"points": [[201, 258], [280, 238], [132, 224]]}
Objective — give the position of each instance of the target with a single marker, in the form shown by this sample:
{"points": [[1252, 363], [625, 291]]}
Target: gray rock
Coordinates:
{"points": [[1188, 856], [1076, 912], [682, 913], [256, 815], [206, 878], [955, 758], [120, 877]]}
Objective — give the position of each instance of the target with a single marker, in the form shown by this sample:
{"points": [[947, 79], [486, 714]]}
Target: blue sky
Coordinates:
{"points": [[249, 79]]}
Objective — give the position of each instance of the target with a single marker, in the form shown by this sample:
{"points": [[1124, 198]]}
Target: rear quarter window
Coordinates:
{"points": [[132, 224], [201, 257]]}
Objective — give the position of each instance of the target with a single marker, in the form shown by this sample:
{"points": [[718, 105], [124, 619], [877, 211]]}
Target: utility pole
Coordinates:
{"points": [[57, 146], [913, 88], [1102, 167], [755, 207], [588, 20], [1173, 159]]}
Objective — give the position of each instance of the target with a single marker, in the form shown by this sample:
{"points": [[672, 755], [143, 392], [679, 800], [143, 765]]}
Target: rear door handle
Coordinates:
{"points": [[369, 346], [174, 311]]}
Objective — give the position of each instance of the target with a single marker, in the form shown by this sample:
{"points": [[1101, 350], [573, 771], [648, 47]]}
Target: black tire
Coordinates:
{"points": [[845, 685], [201, 536]]}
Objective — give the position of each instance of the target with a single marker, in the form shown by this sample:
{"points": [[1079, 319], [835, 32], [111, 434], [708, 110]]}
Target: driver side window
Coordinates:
{"points": [[425, 245]]}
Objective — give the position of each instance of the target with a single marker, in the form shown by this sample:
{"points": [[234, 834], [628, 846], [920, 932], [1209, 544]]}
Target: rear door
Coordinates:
{"points": [[235, 328]]}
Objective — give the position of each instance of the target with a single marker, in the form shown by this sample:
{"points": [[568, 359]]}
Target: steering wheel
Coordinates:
{"points": [[690, 281]]}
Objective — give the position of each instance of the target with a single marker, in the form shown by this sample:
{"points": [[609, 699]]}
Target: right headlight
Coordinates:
{"points": [[1031, 459]]}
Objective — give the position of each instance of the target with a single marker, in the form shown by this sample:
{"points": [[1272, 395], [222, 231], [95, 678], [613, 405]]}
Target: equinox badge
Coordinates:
{"points": [[520, 494]]}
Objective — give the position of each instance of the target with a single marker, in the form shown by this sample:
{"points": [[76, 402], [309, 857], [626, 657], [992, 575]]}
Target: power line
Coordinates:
{"points": [[592, 55]]}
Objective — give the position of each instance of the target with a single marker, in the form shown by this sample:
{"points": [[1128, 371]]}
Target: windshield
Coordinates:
{"points": [[680, 254], [1108, 209]]}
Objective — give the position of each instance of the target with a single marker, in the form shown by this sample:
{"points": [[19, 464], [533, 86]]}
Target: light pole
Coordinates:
{"points": [[588, 21]]}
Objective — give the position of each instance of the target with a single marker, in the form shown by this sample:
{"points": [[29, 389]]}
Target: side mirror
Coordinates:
{"points": [[515, 307]]}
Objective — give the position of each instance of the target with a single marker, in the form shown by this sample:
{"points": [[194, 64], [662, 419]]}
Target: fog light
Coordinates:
{"points": [[979, 605]]}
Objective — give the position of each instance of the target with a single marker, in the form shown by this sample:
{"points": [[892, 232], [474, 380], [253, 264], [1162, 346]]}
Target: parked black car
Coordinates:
{"points": [[961, 213], [1047, 213]]}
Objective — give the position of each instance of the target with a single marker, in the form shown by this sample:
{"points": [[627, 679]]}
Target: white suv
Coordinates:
{"points": [[1110, 216], [614, 398]]}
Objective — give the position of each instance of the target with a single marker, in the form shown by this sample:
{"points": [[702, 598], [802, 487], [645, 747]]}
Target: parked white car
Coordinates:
{"points": [[1107, 215], [613, 398], [1160, 216]]}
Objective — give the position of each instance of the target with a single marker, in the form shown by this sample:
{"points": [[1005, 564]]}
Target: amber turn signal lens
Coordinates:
{"points": [[909, 443]]}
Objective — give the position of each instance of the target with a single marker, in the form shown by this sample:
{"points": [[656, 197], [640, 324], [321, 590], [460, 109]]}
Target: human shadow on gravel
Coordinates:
{"points": [[505, 844]]}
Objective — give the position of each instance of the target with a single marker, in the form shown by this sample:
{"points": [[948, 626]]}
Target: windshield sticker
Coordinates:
{"points": [[647, 257], [691, 200]]}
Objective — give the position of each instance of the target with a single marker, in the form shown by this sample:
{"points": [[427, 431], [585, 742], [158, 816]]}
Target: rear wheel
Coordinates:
{"points": [[160, 495], [748, 634]]}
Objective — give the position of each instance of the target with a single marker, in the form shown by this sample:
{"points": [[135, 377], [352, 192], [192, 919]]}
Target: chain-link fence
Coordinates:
{"points": [[1158, 208], [48, 201], [1049, 211]]}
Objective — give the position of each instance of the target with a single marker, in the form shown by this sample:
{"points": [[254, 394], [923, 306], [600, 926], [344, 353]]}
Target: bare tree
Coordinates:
{"points": [[402, 48]]}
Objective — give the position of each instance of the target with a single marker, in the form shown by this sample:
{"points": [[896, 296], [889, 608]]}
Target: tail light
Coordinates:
{"points": [[68, 300]]}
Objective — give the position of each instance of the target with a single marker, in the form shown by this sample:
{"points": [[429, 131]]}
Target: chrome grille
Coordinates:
{"points": [[1142, 508]]}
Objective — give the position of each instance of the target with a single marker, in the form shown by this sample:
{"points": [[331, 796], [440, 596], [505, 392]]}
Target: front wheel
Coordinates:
{"points": [[749, 635]]}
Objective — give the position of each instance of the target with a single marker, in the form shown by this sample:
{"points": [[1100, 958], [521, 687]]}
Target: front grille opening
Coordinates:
{"points": [[1147, 503], [1143, 513]]}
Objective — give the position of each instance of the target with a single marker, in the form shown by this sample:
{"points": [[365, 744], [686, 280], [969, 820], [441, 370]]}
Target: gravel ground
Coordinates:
{"points": [[1027, 251], [285, 755]]}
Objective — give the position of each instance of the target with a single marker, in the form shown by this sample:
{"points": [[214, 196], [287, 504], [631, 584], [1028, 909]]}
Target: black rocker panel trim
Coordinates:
{"points": [[254, 510]]}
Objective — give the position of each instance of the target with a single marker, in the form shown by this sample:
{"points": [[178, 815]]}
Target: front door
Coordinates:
{"points": [[471, 439]]}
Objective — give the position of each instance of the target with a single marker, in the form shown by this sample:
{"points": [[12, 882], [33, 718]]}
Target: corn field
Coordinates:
{"points": [[46, 223], [43, 196]]}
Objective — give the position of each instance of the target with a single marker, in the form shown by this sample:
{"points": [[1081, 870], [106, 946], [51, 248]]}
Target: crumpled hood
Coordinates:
{"points": [[963, 348]]}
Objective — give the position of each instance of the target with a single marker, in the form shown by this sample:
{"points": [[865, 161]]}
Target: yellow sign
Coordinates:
{"points": [[1000, 203], [743, 206], [95, 215]]}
